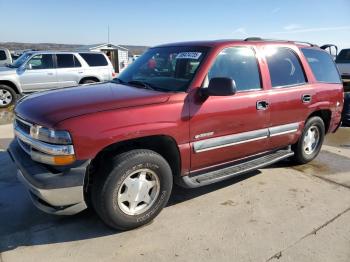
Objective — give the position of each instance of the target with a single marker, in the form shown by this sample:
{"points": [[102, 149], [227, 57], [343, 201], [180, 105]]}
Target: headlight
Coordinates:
{"points": [[50, 136]]}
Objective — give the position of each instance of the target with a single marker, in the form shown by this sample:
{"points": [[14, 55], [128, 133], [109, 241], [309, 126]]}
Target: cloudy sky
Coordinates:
{"points": [[151, 22]]}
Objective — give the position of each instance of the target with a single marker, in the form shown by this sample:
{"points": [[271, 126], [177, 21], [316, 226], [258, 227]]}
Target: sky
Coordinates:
{"points": [[152, 22]]}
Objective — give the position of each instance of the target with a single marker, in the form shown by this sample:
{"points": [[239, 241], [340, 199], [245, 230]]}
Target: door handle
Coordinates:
{"points": [[262, 105], [306, 98], [50, 74]]}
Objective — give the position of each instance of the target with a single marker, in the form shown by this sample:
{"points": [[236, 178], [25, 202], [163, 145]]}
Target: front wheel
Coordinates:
{"points": [[310, 141], [7, 96], [132, 189]]}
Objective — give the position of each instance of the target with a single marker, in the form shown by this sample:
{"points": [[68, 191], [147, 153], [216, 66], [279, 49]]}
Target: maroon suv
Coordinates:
{"points": [[193, 113]]}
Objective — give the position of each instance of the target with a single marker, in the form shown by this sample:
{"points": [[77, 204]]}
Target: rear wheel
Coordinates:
{"points": [[132, 189], [7, 96], [88, 81], [310, 141]]}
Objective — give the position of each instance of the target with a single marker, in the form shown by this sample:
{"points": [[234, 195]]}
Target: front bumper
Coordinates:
{"points": [[52, 191]]}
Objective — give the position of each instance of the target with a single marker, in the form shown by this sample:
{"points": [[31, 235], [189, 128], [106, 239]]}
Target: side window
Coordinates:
{"points": [[65, 61], [284, 66], [76, 62], [2, 55], [322, 65], [239, 64], [42, 61], [94, 59]]}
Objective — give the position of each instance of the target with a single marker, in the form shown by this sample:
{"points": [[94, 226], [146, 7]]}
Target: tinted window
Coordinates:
{"points": [[42, 61], [344, 56], [65, 60], [239, 64], [76, 61], [94, 59], [284, 66], [322, 65], [2, 55]]}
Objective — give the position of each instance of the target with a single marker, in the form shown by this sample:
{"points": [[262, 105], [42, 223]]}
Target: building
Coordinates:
{"points": [[117, 55]]}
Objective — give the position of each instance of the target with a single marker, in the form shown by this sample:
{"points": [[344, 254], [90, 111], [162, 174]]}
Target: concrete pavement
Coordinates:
{"points": [[283, 213]]}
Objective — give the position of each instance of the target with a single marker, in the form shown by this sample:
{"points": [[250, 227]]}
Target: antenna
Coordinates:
{"points": [[108, 34]]}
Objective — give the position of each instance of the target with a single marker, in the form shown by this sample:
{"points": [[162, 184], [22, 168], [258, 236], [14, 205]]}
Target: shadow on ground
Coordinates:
{"points": [[21, 224]]}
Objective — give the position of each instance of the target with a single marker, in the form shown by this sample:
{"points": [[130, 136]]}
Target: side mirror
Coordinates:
{"points": [[29, 66], [219, 86]]}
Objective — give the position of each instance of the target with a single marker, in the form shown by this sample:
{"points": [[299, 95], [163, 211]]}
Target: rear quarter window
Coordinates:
{"points": [[2, 55], [94, 59], [322, 65]]}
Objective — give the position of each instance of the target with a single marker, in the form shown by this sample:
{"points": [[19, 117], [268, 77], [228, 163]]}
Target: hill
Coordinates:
{"points": [[13, 46]]}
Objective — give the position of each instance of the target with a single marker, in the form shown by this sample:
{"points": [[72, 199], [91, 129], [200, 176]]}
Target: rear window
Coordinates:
{"points": [[94, 59], [67, 61], [2, 55], [322, 65], [344, 56]]}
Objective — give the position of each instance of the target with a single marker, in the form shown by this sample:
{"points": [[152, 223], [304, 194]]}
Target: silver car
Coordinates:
{"points": [[37, 71]]}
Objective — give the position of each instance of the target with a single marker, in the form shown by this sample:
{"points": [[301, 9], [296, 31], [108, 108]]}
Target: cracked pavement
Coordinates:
{"points": [[280, 213]]}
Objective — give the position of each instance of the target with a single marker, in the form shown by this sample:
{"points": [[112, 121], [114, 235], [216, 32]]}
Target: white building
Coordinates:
{"points": [[117, 55]]}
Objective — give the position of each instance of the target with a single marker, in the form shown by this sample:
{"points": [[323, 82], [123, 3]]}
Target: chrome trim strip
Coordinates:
{"points": [[230, 140], [44, 147], [23, 121], [283, 129], [245, 137]]}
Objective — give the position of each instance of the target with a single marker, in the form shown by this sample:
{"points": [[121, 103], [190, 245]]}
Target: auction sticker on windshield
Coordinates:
{"points": [[188, 55]]}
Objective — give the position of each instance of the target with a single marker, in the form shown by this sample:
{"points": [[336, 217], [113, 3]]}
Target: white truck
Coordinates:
{"points": [[343, 63], [5, 57]]}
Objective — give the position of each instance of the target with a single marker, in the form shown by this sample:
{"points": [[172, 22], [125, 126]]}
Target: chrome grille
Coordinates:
{"points": [[24, 126]]}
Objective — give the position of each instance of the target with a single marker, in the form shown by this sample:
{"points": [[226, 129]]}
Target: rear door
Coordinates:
{"points": [[290, 94], [69, 70], [39, 73], [223, 129]]}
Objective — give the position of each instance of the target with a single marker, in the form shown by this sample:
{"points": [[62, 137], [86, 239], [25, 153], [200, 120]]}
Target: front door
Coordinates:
{"points": [[223, 129], [39, 73]]}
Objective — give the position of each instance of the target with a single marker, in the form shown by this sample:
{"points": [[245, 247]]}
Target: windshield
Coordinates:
{"points": [[164, 68], [20, 60]]}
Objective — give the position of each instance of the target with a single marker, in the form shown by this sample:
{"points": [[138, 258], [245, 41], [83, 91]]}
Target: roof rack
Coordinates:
{"points": [[277, 40]]}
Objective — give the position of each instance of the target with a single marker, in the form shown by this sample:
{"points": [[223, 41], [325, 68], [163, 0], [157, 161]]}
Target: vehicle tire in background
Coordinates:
{"points": [[88, 81], [310, 141], [131, 189], [8, 96]]}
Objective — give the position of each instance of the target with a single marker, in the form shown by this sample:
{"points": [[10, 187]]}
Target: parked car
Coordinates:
{"points": [[194, 113], [42, 70], [5, 57], [343, 63]]}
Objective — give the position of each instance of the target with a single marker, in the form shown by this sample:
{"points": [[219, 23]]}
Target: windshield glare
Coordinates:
{"points": [[165, 68], [20, 60]]}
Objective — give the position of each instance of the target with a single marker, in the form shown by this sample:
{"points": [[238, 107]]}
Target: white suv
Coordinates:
{"points": [[37, 71]]}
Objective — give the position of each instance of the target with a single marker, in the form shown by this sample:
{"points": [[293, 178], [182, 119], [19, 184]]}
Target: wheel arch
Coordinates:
{"points": [[94, 78], [164, 145], [11, 84], [325, 115]]}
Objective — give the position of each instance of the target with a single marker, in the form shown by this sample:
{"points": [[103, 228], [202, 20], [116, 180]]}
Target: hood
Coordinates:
{"points": [[49, 108], [4, 70]]}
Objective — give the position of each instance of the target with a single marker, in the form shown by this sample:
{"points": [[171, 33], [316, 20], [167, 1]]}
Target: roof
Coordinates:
{"points": [[219, 42], [101, 45]]}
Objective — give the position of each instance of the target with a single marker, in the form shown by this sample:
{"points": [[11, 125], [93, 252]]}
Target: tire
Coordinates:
{"points": [[114, 190], [8, 96], [306, 149], [88, 81]]}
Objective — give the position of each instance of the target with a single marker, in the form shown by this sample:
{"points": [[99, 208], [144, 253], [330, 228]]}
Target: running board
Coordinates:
{"points": [[203, 179]]}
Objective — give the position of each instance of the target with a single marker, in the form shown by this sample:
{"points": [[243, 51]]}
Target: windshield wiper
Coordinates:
{"points": [[142, 84]]}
